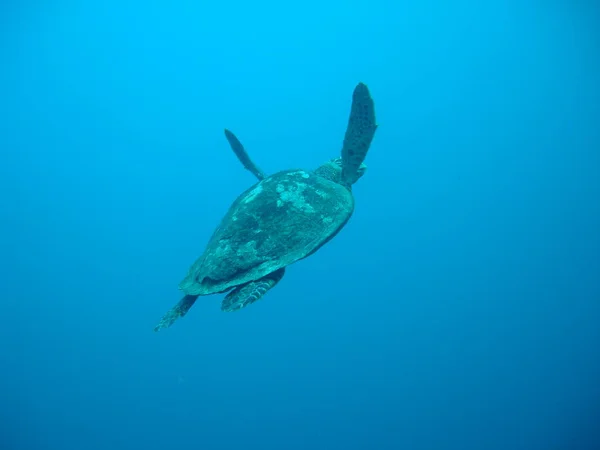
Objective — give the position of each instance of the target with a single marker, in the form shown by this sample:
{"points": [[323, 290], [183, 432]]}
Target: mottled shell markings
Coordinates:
{"points": [[253, 193], [293, 193], [326, 219], [302, 173]]}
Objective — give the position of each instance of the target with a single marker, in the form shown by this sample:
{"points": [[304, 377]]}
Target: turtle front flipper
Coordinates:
{"points": [[242, 155], [177, 311], [248, 293], [359, 133]]}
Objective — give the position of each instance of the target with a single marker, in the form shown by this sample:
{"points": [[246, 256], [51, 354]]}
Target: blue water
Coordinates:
{"points": [[458, 309]]}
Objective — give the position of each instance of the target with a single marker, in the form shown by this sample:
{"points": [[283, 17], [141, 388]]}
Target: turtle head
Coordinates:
{"points": [[332, 170]]}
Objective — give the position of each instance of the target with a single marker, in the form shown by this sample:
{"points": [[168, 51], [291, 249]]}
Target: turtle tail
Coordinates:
{"points": [[359, 133]]}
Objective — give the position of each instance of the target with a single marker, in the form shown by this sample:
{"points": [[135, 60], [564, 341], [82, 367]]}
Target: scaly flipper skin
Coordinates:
{"points": [[248, 293], [359, 133], [242, 155], [177, 311]]}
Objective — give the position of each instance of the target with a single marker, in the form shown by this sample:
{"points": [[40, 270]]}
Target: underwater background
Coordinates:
{"points": [[458, 309]]}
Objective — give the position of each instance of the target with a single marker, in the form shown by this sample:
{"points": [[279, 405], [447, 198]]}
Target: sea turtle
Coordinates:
{"points": [[281, 219]]}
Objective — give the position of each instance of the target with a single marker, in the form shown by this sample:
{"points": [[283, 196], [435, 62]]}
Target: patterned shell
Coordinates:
{"points": [[280, 220]]}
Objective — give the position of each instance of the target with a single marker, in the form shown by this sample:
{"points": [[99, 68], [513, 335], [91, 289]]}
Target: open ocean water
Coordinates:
{"points": [[458, 309]]}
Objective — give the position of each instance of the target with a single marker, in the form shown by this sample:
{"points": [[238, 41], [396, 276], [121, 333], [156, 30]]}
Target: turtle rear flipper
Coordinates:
{"points": [[177, 311], [359, 133], [242, 155], [248, 293]]}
